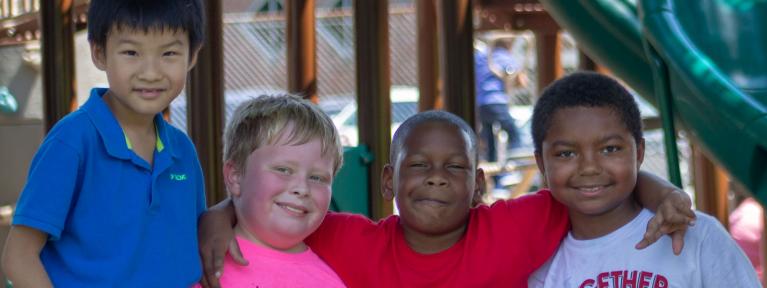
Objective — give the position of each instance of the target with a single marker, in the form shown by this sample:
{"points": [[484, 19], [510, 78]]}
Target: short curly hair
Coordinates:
{"points": [[585, 89], [398, 140]]}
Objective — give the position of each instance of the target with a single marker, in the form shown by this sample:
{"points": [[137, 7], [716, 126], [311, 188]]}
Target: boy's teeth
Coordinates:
{"points": [[293, 209]]}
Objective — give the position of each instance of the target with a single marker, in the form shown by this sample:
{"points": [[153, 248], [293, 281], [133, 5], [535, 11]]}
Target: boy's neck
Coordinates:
{"points": [[253, 238], [585, 227], [430, 244]]}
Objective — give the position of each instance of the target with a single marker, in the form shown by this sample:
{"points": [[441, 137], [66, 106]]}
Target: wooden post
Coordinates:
{"points": [[205, 98], [711, 187], [456, 54], [59, 89], [371, 29], [428, 60], [301, 58], [548, 46]]}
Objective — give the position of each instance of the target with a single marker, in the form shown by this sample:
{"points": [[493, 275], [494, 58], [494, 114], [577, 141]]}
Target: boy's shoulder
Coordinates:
{"points": [[536, 202]]}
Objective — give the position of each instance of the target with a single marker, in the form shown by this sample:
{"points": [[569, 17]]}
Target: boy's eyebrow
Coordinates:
{"points": [[603, 140], [133, 42], [174, 43]]}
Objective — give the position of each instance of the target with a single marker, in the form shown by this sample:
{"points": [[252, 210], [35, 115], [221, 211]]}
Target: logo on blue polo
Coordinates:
{"points": [[177, 177]]}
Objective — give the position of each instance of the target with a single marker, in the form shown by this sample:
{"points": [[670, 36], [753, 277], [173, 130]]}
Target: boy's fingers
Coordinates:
{"points": [[234, 251], [677, 241], [653, 232]]}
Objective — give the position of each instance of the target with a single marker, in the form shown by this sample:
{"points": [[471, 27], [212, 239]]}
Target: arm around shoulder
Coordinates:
{"points": [[21, 258]]}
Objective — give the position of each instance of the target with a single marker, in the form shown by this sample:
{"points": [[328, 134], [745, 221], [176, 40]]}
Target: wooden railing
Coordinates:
{"points": [[13, 8]]}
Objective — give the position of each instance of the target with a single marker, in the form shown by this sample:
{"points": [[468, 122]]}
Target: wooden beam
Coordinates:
{"points": [[548, 47], [456, 54], [371, 32], [711, 186], [428, 60], [205, 98], [58, 60], [301, 58]]}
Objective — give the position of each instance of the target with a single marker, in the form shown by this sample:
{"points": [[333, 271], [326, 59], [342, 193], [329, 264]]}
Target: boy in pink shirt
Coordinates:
{"points": [[281, 154]]}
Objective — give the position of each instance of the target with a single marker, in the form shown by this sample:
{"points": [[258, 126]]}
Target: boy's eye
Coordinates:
{"points": [[565, 154], [611, 149], [170, 53], [417, 165], [283, 170], [129, 53], [319, 178], [456, 166]]}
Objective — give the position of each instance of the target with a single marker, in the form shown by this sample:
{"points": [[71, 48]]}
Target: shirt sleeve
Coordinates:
{"points": [[45, 202], [338, 234], [722, 263], [544, 222]]}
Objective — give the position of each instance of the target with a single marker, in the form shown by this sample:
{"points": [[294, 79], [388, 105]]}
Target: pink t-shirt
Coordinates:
{"points": [[271, 268]]}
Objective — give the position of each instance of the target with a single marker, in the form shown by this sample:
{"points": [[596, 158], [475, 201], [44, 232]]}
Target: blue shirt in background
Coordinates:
{"points": [[490, 88]]}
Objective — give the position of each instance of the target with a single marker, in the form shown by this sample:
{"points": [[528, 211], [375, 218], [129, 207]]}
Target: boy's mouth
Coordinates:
{"points": [[430, 202], [292, 208], [591, 190], [148, 92]]}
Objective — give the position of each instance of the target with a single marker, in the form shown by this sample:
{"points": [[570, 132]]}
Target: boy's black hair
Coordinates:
{"points": [[430, 116], [173, 15], [585, 89]]}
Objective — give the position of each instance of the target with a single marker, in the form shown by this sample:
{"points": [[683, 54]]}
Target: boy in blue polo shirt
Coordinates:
{"points": [[114, 191]]}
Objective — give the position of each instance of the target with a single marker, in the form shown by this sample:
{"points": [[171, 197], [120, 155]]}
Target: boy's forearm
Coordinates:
{"points": [[651, 190], [225, 210], [21, 258]]}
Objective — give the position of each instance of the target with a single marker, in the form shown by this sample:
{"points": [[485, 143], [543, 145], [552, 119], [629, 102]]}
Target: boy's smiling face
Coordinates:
{"points": [[590, 160], [283, 193], [146, 70], [433, 179]]}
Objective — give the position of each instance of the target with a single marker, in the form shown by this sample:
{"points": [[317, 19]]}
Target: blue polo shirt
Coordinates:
{"points": [[112, 219]]}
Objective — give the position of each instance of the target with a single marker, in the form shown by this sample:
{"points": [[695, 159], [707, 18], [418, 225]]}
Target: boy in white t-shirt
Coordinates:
{"points": [[281, 154], [589, 146]]}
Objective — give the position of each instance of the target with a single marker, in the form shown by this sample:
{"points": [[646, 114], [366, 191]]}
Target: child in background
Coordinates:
{"points": [[438, 240], [114, 191], [589, 146], [280, 154]]}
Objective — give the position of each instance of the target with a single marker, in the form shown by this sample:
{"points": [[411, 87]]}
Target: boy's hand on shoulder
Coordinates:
{"points": [[673, 216], [216, 237]]}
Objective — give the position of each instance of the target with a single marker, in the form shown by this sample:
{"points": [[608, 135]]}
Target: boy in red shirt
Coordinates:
{"points": [[439, 240]]}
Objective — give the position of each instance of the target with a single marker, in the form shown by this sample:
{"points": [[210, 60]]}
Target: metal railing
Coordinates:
{"points": [[13, 8]]}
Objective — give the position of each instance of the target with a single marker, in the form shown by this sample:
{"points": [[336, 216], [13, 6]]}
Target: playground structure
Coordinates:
{"points": [[711, 82], [701, 64]]}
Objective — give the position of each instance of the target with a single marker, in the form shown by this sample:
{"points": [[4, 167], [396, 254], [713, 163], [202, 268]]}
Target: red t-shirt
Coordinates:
{"points": [[504, 243]]}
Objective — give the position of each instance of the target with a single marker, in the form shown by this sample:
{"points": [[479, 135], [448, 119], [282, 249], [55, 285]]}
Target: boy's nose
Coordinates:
{"points": [[589, 165], [150, 71], [436, 178], [299, 188]]}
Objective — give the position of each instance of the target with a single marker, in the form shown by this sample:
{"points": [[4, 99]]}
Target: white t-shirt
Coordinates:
{"points": [[710, 258]]}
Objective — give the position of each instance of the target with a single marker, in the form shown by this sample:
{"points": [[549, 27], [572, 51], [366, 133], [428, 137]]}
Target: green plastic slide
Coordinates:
{"points": [[704, 62]]}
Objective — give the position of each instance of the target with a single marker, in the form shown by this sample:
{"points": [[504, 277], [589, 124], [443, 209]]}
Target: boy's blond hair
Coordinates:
{"points": [[261, 121]]}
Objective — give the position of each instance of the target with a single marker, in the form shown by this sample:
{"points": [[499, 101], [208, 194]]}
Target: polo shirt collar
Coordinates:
{"points": [[112, 134]]}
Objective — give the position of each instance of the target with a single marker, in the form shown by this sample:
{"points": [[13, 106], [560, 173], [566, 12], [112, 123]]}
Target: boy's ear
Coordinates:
{"points": [[193, 58], [480, 186], [387, 181], [232, 178], [640, 152], [98, 56]]}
